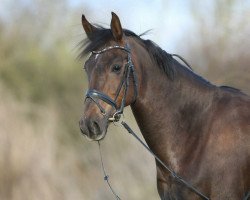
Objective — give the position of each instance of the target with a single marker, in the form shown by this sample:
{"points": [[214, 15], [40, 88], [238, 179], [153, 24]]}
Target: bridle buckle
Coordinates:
{"points": [[116, 117]]}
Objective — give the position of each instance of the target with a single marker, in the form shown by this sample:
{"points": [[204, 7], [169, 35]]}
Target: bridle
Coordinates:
{"points": [[96, 95]]}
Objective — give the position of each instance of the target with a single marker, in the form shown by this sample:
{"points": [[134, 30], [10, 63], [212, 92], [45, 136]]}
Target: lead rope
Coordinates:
{"points": [[106, 177], [178, 178]]}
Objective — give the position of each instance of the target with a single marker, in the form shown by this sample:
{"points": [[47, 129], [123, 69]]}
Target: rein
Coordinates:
{"points": [[174, 175], [106, 177], [95, 95]]}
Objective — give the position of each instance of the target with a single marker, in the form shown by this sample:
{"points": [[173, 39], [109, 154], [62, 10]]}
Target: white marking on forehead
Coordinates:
{"points": [[96, 56]]}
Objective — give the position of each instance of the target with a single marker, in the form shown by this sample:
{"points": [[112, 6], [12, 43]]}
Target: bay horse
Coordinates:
{"points": [[198, 129]]}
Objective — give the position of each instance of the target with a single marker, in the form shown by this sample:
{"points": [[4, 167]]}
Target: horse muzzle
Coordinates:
{"points": [[93, 129]]}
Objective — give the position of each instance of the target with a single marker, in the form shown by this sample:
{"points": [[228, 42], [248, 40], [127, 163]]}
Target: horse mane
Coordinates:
{"points": [[102, 35]]}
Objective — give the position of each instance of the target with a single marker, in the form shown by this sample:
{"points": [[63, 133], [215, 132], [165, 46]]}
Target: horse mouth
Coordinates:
{"points": [[95, 129], [95, 137]]}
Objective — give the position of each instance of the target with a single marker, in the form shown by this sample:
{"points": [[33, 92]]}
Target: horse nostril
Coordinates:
{"points": [[82, 127], [94, 128], [81, 130], [97, 128]]}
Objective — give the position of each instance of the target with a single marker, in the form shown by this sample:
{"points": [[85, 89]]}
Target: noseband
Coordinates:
{"points": [[96, 95]]}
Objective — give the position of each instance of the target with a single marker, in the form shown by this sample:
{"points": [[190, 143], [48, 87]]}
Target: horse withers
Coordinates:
{"points": [[199, 130]]}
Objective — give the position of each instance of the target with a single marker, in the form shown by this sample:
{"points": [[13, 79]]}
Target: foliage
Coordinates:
{"points": [[218, 45]]}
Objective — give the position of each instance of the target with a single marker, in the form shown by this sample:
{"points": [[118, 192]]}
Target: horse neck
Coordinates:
{"points": [[170, 113]]}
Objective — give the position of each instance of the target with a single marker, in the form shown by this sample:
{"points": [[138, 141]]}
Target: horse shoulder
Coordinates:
{"points": [[229, 142], [232, 111]]}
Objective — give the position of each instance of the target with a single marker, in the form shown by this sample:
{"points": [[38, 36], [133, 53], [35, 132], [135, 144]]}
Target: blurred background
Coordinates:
{"points": [[42, 86]]}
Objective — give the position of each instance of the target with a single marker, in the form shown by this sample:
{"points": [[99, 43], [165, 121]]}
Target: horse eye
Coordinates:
{"points": [[116, 68]]}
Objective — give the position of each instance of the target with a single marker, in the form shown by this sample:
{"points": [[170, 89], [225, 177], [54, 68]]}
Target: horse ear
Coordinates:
{"points": [[88, 28], [116, 27]]}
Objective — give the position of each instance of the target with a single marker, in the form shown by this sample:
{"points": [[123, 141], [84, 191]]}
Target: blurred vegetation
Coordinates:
{"points": [[42, 154], [37, 64], [218, 45]]}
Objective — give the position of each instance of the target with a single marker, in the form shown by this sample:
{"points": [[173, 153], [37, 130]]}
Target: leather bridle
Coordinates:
{"points": [[96, 95]]}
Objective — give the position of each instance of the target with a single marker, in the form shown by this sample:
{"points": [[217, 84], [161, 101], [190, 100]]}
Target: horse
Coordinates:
{"points": [[200, 130]]}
